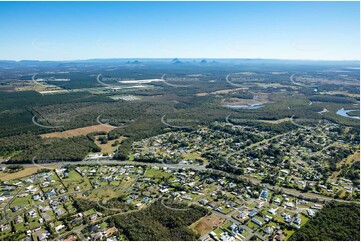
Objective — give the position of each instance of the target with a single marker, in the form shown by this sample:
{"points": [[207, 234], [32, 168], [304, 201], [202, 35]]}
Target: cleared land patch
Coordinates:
{"points": [[108, 147], [53, 91], [240, 101], [276, 121], [27, 171], [208, 223], [225, 91], [347, 161], [79, 131]]}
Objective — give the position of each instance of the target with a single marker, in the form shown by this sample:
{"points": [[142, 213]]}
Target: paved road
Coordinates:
{"points": [[251, 232], [78, 230], [112, 162], [194, 167], [253, 180], [226, 216], [7, 219], [297, 193], [7, 204]]}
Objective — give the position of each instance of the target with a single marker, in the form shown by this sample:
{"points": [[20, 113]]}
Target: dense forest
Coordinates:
{"points": [[334, 222], [25, 148], [141, 118], [159, 223]]}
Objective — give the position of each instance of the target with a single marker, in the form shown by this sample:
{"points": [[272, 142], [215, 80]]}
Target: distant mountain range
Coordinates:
{"points": [[184, 61]]}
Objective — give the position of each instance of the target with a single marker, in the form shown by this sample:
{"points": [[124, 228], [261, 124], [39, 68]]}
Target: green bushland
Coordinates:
{"points": [[50, 150], [335, 221], [159, 223]]}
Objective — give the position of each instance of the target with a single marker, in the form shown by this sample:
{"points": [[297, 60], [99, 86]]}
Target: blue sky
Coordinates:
{"points": [[84, 30]]}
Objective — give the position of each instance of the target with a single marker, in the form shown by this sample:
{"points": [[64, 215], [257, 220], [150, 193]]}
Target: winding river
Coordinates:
{"points": [[344, 113]]}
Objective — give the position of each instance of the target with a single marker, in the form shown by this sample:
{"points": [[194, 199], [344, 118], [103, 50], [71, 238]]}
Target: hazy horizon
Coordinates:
{"points": [[185, 58]]}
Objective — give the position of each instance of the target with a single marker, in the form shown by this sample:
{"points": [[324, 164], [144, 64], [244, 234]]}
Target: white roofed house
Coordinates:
{"points": [[316, 206], [268, 230], [59, 227], [310, 212]]}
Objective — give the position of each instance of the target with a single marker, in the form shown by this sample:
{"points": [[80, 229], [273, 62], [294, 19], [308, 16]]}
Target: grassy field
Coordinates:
{"points": [[276, 121], [103, 194], [153, 173], [89, 212], [127, 182], [351, 159], [53, 91], [79, 131], [251, 225], [288, 233], [27, 171], [41, 88], [347, 161], [108, 148], [74, 180]]}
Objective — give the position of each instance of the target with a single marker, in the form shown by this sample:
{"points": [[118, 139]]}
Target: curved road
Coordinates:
{"points": [[287, 191]]}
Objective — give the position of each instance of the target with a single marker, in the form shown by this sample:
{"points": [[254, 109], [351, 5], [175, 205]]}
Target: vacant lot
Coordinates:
{"points": [[350, 159], [108, 148], [347, 161], [153, 173], [52, 91], [101, 194], [225, 91], [276, 121], [207, 224], [4, 176], [79, 131], [259, 98]]}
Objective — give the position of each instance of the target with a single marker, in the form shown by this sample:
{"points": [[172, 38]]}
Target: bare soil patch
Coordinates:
{"points": [[79, 131], [208, 223], [27, 171], [225, 91], [276, 121]]}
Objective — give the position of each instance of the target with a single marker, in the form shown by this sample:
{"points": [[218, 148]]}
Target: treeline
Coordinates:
{"points": [[17, 121], [139, 130], [242, 95], [112, 206], [26, 148], [220, 163], [276, 128], [241, 135], [12, 144], [13, 100], [352, 173], [335, 221], [18, 108], [159, 222], [279, 128], [337, 154], [332, 99]]}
